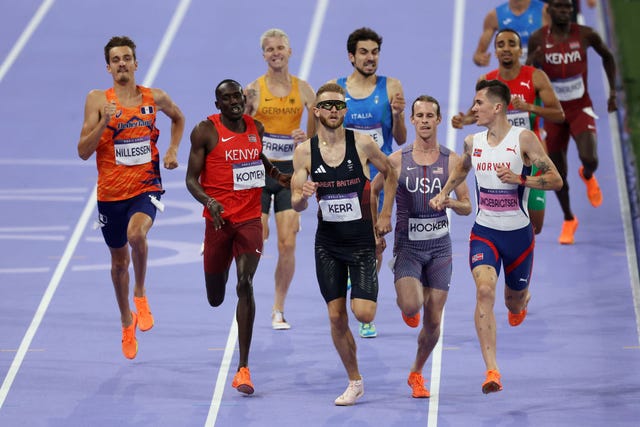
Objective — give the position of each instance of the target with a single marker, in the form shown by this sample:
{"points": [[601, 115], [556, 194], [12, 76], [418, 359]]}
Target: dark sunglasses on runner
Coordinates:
{"points": [[328, 105]]}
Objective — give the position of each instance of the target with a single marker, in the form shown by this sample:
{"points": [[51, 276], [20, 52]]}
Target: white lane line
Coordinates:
{"points": [[305, 67], [312, 40], [80, 226], [24, 37], [454, 95], [623, 191]]}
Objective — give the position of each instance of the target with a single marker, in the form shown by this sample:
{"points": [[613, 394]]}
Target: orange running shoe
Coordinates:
{"points": [[242, 381], [145, 318], [412, 321], [568, 230], [492, 383], [516, 319], [593, 189], [416, 382], [129, 341]]}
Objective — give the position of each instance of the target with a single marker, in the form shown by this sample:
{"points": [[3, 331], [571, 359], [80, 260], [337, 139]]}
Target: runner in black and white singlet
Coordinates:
{"points": [[338, 160], [502, 157]]}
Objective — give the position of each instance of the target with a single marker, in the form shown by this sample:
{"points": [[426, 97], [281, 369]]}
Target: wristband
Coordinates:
{"points": [[523, 180]]}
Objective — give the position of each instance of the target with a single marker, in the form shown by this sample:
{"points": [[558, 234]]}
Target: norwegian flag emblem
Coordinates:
{"points": [[477, 152]]}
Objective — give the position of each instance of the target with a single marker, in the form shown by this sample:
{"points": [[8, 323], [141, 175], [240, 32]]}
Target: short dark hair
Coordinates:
{"points": [[224, 82], [496, 91], [361, 34], [118, 41], [426, 98], [330, 87], [507, 30]]}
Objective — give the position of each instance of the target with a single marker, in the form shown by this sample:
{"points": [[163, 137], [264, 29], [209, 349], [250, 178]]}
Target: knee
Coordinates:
{"points": [[244, 288], [339, 321], [287, 245], [485, 292], [120, 264], [136, 237]]}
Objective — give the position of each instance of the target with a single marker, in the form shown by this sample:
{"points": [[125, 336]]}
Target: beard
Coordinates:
{"points": [[332, 126], [366, 73]]}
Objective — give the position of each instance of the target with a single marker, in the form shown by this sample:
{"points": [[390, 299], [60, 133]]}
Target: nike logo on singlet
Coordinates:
{"points": [[227, 139]]}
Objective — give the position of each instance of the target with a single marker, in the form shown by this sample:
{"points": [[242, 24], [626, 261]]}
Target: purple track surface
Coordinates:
{"points": [[574, 362]]}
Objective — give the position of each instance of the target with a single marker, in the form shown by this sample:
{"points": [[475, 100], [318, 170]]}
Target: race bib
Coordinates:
{"points": [[499, 200], [340, 207], [375, 133], [569, 89], [428, 228], [278, 147], [134, 151], [248, 175], [519, 118]]}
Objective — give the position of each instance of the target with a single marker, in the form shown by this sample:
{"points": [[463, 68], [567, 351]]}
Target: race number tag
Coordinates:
{"points": [[428, 228], [340, 207], [133, 151], [277, 147], [248, 175], [499, 200], [519, 118], [569, 89], [375, 133]]}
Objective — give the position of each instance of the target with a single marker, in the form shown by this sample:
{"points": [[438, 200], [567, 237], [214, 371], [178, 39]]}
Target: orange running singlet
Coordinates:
{"points": [[127, 157]]}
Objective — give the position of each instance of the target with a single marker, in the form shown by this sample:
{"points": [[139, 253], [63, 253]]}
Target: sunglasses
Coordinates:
{"points": [[328, 105]]}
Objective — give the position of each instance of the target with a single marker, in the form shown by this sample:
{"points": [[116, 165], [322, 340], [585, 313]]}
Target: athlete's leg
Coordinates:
{"points": [[137, 230], [342, 337], [287, 223], [246, 265], [120, 278], [486, 278], [434, 300]]}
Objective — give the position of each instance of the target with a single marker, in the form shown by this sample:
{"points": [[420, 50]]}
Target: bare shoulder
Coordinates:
{"points": [[96, 97], [203, 131], [394, 85], [307, 92]]}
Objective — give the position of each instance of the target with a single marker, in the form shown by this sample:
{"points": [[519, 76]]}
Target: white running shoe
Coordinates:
{"points": [[354, 391], [277, 321]]}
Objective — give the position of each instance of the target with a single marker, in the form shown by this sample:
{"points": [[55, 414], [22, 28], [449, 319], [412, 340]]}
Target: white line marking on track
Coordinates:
{"points": [[84, 219]]}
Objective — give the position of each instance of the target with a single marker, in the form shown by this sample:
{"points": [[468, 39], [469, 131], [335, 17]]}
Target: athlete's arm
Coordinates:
{"points": [[204, 138], [397, 102], [533, 153], [551, 109], [168, 107], [608, 62], [462, 202], [461, 119], [368, 149], [377, 184], [308, 99], [457, 176], [301, 187], [535, 56], [252, 93], [490, 25], [97, 113]]}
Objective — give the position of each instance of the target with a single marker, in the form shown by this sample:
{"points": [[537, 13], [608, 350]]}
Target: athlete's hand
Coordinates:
{"points": [[457, 121], [171, 159], [108, 111], [309, 189], [506, 175], [519, 103], [383, 225], [284, 179], [439, 202], [381, 245], [397, 104], [298, 136], [216, 210], [482, 59]]}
